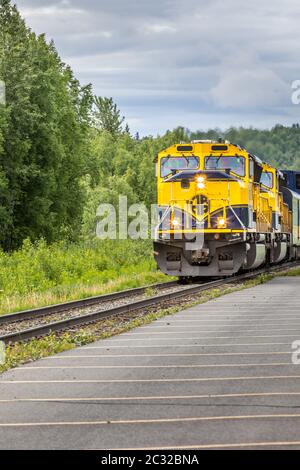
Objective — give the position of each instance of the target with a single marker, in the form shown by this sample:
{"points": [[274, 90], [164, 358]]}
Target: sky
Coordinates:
{"points": [[195, 63]]}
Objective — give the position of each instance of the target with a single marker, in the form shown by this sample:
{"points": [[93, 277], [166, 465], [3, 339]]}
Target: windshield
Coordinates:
{"points": [[234, 164], [169, 164], [267, 179]]}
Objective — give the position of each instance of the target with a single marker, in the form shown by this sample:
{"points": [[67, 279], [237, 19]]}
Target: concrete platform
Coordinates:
{"points": [[218, 375]]}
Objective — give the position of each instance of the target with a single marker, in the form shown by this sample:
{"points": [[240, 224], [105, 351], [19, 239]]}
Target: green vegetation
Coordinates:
{"points": [[38, 275], [294, 272], [278, 146], [107, 116], [43, 137], [36, 349]]}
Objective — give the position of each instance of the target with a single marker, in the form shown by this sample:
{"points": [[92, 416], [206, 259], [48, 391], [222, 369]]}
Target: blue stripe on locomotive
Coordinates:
{"points": [[292, 179], [291, 196]]}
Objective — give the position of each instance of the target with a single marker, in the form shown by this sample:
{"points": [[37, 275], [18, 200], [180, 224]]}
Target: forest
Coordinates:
{"points": [[63, 151]]}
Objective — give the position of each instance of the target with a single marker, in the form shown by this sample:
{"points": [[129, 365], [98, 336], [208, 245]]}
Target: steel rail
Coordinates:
{"points": [[134, 306]]}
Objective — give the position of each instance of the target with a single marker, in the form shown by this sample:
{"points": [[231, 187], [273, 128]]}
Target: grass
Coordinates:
{"points": [[292, 272], [21, 353], [38, 275]]}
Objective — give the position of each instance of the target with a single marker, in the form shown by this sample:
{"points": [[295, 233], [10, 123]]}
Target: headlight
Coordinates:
{"points": [[175, 223], [200, 182], [200, 179], [221, 222]]}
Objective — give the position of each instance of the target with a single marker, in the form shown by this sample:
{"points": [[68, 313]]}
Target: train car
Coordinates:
{"points": [[221, 210], [291, 194], [292, 180]]}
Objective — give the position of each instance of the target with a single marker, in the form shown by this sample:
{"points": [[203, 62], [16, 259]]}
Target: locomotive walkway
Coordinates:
{"points": [[218, 375]]}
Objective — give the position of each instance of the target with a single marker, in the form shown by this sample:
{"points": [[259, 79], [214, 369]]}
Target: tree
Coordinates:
{"points": [[127, 130], [107, 116], [278, 146], [43, 137]]}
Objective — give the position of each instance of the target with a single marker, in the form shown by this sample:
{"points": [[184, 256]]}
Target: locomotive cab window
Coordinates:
{"points": [[234, 164], [170, 164], [251, 168], [267, 179], [298, 181]]}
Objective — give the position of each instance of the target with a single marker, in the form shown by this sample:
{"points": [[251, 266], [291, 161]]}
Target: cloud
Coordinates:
{"points": [[247, 84], [159, 28], [189, 62]]}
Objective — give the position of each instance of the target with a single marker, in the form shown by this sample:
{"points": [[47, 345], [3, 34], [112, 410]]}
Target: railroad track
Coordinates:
{"points": [[82, 303], [102, 313]]}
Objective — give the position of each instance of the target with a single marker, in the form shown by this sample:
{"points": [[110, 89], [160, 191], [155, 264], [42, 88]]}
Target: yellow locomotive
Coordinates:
{"points": [[222, 209]]}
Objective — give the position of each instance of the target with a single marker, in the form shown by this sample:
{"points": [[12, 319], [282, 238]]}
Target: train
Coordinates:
{"points": [[223, 210]]}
